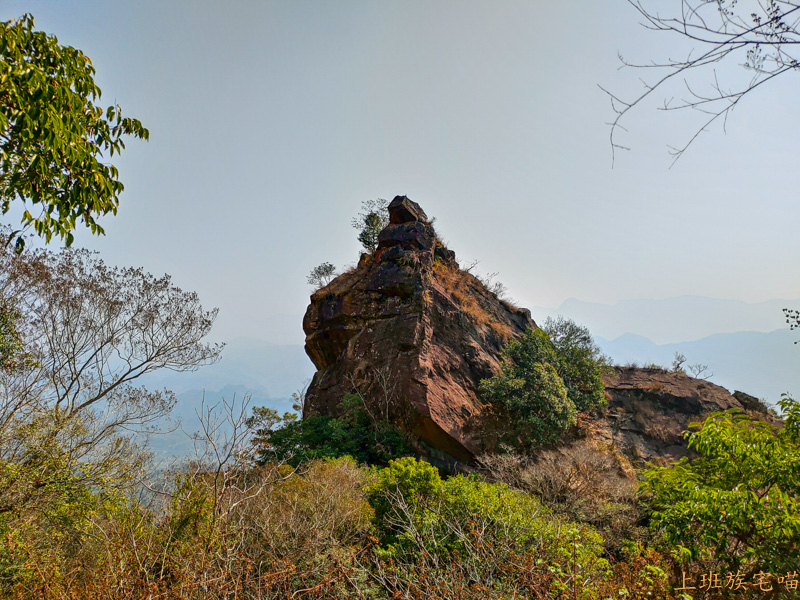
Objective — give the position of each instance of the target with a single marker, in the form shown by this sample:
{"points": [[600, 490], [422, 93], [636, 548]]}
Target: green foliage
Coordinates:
{"points": [[50, 496], [374, 216], [355, 434], [545, 381], [579, 362], [536, 399], [321, 275], [411, 479], [419, 515], [738, 502], [52, 135]]}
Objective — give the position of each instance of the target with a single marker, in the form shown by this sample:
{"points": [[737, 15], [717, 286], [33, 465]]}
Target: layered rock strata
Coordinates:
{"points": [[413, 334], [649, 409]]}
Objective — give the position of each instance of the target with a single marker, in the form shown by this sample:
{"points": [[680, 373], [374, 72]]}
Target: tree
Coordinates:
{"points": [[91, 331], [372, 219], [531, 391], [580, 362], [547, 377], [762, 37], [321, 275], [53, 137], [738, 501]]}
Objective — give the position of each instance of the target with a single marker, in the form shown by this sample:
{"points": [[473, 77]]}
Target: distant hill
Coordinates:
{"points": [[672, 320], [270, 371], [254, 370], [762, 364]]}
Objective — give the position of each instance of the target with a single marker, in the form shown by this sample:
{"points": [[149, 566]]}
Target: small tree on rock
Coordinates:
{"points": [[374, 216], [321, 275]]}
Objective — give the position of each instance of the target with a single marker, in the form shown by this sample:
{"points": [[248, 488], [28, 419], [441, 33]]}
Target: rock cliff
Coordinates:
{"points": [[414, 334], [649, 409]]}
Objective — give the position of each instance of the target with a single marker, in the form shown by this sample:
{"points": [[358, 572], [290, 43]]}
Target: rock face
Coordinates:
{"points": [[649, 409], [414, 335]]}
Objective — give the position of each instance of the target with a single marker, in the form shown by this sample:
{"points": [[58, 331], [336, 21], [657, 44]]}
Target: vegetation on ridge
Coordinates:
{"points": [[318, 508], [549, 375]]}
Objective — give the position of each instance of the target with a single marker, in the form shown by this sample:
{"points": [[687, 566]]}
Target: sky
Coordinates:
{"points": [[271, 122]]}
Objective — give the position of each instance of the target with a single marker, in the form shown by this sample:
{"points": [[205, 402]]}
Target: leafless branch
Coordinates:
{"points": [[765, 34]]}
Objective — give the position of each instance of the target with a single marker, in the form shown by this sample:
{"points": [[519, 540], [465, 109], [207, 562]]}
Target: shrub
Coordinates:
{"points": [[476, 536], [542, 384], [536, 399], [321, 275], [738, 502], [353, 434], [582, 482]]}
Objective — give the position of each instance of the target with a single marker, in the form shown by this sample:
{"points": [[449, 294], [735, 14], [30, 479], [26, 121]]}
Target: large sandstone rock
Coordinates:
{"points": [[414, 335], [649, 409]]}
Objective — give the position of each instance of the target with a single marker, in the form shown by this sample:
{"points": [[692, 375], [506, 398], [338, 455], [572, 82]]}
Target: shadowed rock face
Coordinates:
{"points": [[413, 334]]}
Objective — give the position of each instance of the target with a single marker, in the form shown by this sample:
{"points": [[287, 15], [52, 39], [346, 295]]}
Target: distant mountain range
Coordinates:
{"points": [[672, 320], [250, 370], [266, 370]]}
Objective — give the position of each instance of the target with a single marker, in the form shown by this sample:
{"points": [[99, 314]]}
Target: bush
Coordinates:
{"points": [[536, 398], [582, 482], [353, 434], [544, 383], [321, 275], [738, 502], [467, 534]]}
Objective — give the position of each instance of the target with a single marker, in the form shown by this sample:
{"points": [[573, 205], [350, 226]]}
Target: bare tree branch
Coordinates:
{"points": [[764, 36]]}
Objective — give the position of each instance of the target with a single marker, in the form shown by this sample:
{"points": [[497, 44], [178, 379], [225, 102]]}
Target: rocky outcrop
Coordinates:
{"points": [[649, 409], [413, 334]]}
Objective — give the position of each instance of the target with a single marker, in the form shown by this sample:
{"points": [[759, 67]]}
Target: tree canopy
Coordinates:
{"points": [[548, 376], [54, 138], [738, 501]]}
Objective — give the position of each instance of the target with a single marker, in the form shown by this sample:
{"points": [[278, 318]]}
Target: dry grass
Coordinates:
{"points": [[247, 535], [466, 290], [276, 533], [584, 482]]}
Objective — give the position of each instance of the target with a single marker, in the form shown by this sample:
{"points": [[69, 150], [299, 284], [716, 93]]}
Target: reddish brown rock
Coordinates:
{"points": [[404, 210], [414, 335], [649, 409], [647, 413]]}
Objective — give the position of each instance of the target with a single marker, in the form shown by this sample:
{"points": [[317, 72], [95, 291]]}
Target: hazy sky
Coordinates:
{"points": [[272, 121]]}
